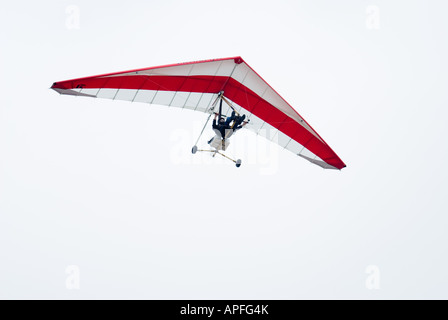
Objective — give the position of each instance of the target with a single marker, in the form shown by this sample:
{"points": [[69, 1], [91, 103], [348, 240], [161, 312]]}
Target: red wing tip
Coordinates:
{"points": [[57, 85]]}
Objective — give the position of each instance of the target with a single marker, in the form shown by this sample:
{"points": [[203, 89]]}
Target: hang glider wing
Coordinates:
{"points": [[196, 85]]}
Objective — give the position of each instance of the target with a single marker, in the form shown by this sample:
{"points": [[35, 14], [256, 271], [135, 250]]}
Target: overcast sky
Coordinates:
{"points": [[103, 199]]}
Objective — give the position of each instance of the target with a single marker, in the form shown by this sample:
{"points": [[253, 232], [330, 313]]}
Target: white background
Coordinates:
{"points": [[111, 187]]}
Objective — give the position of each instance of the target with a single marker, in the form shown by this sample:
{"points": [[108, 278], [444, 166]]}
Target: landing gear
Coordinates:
{"points": [[215, 152]]}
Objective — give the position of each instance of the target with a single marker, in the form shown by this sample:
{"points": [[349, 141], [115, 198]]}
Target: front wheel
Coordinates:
{"points": [[194, 149], [238, 163]]}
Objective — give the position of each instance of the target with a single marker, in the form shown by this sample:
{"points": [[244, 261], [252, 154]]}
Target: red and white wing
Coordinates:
{"points": [[195, 86]]}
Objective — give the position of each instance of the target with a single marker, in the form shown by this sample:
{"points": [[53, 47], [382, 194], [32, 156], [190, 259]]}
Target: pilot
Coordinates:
{"points": [[222, 125]]}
